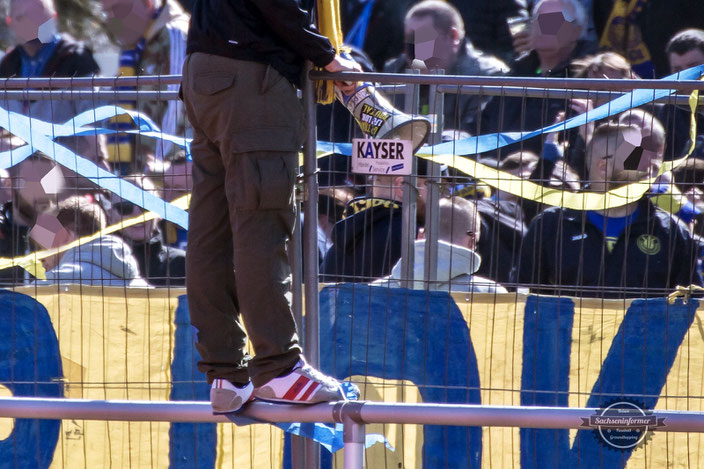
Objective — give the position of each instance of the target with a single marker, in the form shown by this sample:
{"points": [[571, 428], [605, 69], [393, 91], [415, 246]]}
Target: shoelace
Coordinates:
{"points": [[319, 376]]}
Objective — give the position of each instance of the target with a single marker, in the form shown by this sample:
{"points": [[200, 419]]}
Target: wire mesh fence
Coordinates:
{"points": [[556, 188]]}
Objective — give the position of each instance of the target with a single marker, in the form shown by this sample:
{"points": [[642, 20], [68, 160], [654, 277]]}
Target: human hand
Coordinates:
{"points": [[342, 64], [522, 41], [582, 106]]}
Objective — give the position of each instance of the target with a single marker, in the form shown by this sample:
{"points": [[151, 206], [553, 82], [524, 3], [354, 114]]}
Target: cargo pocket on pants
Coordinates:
{"points": [[277, 177]]}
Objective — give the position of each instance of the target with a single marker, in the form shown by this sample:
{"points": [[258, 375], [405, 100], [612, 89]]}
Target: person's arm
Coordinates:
{"points": [[293, 26]]}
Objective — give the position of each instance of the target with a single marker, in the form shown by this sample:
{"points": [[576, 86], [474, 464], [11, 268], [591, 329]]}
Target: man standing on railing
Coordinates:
{"points": [[244, 60]]}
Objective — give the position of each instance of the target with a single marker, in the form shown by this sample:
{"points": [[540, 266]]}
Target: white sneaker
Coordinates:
{"points": [[303, 385], [225, 397]]}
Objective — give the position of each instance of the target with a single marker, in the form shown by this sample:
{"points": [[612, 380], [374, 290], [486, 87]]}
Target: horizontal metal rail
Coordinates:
{"points": [[88, 82], [558, 83], [123, 95], [85, 95], [336, 412], [384, 78]]}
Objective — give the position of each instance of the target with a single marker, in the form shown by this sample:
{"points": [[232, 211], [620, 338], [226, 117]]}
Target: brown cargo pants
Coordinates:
{"points": [[247, 129]]}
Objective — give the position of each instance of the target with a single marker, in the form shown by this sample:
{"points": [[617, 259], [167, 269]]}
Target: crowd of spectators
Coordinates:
{"points": [[490, 240]]}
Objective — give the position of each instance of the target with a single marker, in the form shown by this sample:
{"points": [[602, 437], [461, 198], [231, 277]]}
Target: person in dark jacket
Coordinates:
{"points": [[43, 52], [636, 250], [367, 241], [550, 57], [452, 52], [486, 23], [244, 60], [159, 264]]}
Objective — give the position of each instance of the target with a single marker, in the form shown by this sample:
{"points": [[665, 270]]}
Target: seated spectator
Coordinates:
{"points": [[458, 234], [159, 264], [685, 50], [37, 187], [367, 241], [106, 261], [487, 26], [502, 224], [636, 250], [331, 205], [152, 35], [435, 39], [551, 56], [176, 177], [43, 52]]}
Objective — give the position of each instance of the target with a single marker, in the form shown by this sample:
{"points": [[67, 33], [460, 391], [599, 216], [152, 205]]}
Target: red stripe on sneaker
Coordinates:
{"points": [[313, 386], [296, 388]]}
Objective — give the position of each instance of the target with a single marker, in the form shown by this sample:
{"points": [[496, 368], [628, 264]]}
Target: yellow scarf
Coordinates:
{"points": [[329, 25], [622, 35]]}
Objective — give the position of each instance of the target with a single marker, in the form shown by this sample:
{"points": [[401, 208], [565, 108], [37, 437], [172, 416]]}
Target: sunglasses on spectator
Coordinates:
{"points": [[124, 207]]}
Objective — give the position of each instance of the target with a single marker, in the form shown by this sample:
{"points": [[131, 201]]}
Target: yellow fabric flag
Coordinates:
{"points": [[329, 25]]}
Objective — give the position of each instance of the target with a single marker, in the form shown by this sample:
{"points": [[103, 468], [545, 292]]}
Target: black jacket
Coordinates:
{"points": [[274, 32], [502, 230], [460, 111], [69, 59], [512, 114], [160, 265], [14, 242], [367, 244], [564, 253]]}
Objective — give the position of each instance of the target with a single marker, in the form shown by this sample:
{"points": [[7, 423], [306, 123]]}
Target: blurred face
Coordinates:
{"points": [[554, 27], [425, 43], [178, 181], [120, 210], [617, 159], [28, 19], [127, 20], [687, 60]]}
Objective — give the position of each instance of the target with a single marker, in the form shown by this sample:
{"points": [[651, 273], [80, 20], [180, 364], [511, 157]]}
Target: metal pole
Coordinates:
{"points": [[330, 412], [408, 206], [432, 202], [353, 438], [298, 444], [310, 246], [521, 82]]}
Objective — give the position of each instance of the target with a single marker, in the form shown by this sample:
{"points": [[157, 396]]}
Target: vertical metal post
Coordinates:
{"points": [[310, 244], [353, 438], [432, 216], [408, 207], [296, 258]]}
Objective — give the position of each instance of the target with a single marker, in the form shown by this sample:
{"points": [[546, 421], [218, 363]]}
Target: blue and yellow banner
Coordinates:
{"points": [[399, 345]]}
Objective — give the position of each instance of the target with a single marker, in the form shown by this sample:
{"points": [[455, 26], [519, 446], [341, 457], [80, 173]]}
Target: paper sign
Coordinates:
{"points": [[382, 156]]}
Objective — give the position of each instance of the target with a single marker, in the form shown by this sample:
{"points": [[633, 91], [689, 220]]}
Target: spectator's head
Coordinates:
{"points": [[77, 217], [652, 130], [391, 187], [38, 185], [128, 20], [685, 50], [460, 222], [604, 65], [434, 34], [32, 20], [616, 155], [119, 209], [519, 164], [557, 25], [178, 179]]}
